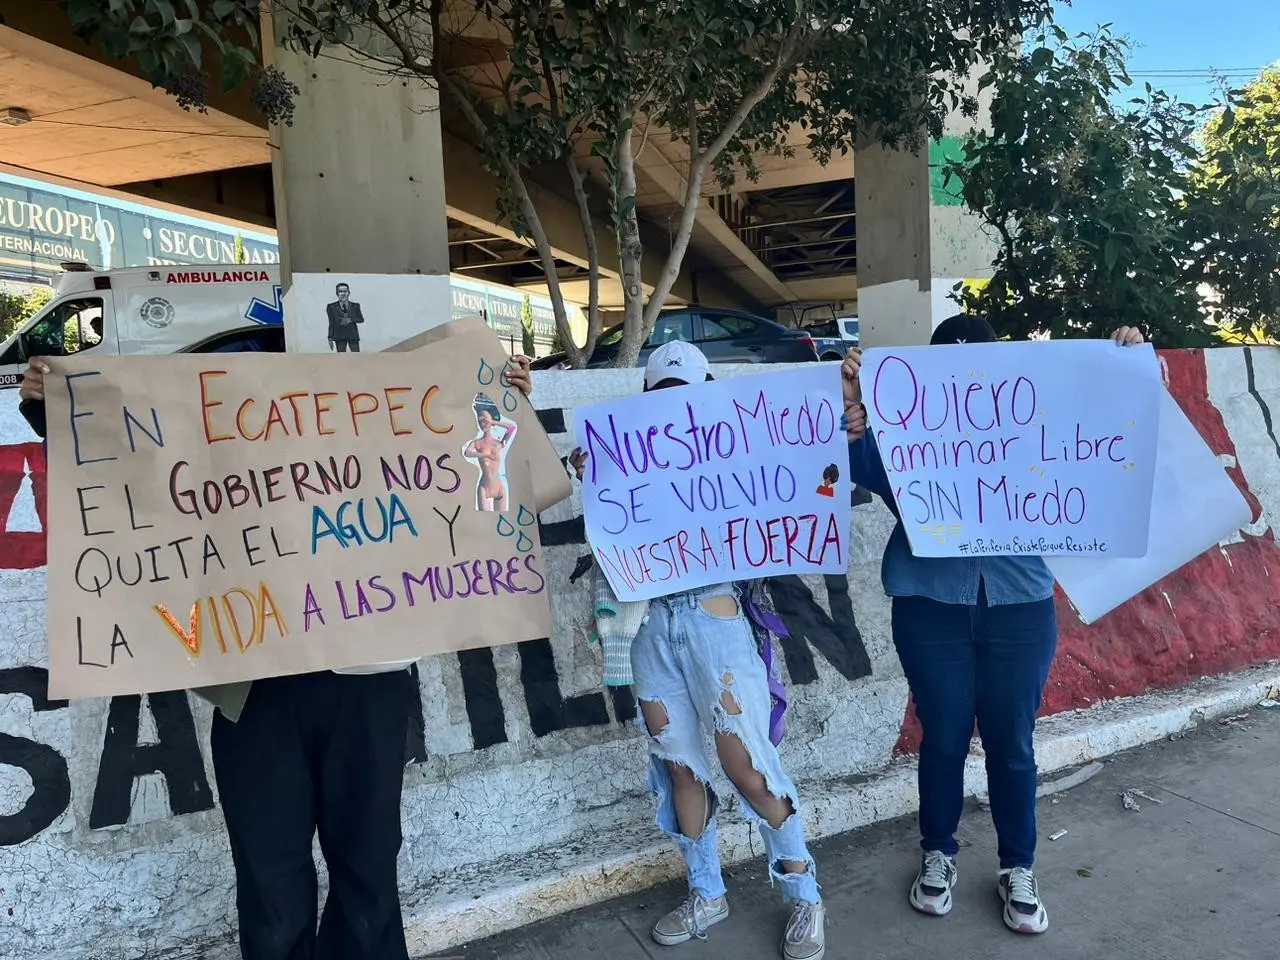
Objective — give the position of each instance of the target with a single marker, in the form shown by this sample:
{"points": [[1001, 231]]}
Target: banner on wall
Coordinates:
{"points": [[722, 481], [1034, 448], [215, 520]]}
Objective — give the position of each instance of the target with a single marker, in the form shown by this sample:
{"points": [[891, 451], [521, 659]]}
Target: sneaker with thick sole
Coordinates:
{"points": [[806, 935], [690, 920], [931, 892], [1023, 912]]}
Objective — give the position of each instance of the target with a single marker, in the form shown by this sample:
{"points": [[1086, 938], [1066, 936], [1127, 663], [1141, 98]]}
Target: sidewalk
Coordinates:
{"points": [[1195, 876]]}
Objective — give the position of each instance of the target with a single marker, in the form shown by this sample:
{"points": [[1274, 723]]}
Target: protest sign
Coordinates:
{"points": [[218, 519], [1035, 448], [729, 480], [1199, 504], [472, 336]]}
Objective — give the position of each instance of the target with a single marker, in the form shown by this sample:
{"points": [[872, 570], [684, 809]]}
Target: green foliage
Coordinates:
{"points": [[581, 84], [240, 255], [16, 308], [1232, 210], [526, 327], [1112, 215], [1083, 195]]}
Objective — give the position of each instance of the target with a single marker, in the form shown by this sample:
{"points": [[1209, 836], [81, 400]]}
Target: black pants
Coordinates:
{"points": [[313, 752], [344, 345]]}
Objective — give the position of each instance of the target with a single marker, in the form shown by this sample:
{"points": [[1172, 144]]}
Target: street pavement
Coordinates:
{"points": [[1194, 875]]}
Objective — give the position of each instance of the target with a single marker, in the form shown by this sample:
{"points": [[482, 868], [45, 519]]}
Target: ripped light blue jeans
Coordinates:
{"points": [[697, 665]]}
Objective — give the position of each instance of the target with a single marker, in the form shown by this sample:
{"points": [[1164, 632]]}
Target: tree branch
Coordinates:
{"points": [[515, 181], [699, 160], [593, 252]]}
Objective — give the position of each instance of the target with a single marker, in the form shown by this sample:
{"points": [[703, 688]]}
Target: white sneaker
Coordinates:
{"points": [[931, 892], [1023, 912], [690, 920], [806, 936]]}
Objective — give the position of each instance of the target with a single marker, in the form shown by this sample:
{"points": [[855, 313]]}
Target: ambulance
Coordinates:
{"points": [[151, 310]]}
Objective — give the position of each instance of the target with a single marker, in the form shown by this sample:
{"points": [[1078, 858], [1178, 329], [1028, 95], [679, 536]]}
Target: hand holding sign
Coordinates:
{"points": [[1018, 448], [217, 520], [722, 481]]}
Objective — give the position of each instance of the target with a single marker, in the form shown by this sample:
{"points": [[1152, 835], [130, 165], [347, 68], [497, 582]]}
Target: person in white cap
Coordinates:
{"points": [[697, 671], [675, 364]]}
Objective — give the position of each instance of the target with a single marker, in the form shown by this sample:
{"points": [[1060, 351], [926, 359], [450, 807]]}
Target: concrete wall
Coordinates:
{"points": [[527, 792]]}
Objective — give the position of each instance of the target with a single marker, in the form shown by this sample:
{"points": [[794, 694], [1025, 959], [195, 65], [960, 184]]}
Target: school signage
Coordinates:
{"points": [[44, 225]]}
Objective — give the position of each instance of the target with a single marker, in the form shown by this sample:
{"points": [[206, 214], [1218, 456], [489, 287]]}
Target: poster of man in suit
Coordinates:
{"points": [[371, 312], [345, 316]]}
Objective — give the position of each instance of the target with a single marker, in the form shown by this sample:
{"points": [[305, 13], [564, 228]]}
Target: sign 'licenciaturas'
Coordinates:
{"points": [[218, 519], [1034, 448], [722, 481]]}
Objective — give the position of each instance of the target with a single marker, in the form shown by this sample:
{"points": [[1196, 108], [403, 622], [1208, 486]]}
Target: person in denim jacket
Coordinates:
{"points": [[976, 637], [697, 671]]}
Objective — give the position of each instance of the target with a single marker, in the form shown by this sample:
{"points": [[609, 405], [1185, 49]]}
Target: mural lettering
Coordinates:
{"points": [[175, 754], [47, 768]]}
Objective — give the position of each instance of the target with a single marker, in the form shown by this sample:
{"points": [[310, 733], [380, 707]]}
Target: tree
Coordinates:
{"points": [[1111, 214], [1083, 195], [526, 327], [579, 86], [1232, 211], [240, 255], [19, 306]]}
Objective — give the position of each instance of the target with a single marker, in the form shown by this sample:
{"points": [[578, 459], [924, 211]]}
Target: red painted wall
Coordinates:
{"points": [[22, 550]]}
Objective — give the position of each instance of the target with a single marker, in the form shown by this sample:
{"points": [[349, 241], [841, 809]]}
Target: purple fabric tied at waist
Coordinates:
{"points": [[768, 624]]}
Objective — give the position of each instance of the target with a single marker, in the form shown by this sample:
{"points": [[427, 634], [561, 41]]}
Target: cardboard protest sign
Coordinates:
{"points": [[728, 480], [1038, 448], [1191, 486], [471, 336], [216, 519]]}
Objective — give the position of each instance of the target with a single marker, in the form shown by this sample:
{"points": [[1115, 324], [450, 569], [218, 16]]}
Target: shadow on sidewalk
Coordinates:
{"points": [[1195, 875]]}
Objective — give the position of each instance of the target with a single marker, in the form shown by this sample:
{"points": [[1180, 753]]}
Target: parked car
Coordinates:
{"points": [[833, 338], [725, 336], [256, 339]]}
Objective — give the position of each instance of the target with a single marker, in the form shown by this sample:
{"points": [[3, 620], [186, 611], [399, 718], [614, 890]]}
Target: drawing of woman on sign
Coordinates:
{"points": [[488, 453]]}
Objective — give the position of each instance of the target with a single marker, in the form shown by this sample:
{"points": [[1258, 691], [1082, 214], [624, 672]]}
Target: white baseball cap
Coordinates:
{"points": [[676, 360]]}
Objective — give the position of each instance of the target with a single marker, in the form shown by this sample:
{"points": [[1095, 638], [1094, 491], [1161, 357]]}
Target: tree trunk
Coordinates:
{"points": [[593, 258], [630, 253]]}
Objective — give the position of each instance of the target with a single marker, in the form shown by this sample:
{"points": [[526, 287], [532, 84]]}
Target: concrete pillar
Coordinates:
{"points": [[891, 197], [960, 248], [359, 176], [915, 239]]}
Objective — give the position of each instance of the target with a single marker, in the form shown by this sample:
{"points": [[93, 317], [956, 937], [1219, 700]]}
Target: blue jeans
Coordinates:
{"points": [[688, 660], [985, 663]]}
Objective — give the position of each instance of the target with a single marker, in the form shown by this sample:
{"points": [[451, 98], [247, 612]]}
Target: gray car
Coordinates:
{"points": [[725, 336]]}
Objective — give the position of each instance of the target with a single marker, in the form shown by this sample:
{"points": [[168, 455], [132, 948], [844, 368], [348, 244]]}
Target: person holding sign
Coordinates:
{"points": [[976, 637], [319, 752], [697, 670]]}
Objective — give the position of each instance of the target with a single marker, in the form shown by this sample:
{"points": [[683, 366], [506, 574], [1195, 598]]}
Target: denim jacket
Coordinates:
{"points": [[945, 579]]}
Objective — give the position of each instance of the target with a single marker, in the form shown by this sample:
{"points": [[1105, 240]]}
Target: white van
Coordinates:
{"points": [[144, 310]]}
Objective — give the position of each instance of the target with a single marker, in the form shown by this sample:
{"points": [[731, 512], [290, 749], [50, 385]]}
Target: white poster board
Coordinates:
{"points": [[1034, 448], [362, 312], [722, 481], [1199, 504]]}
